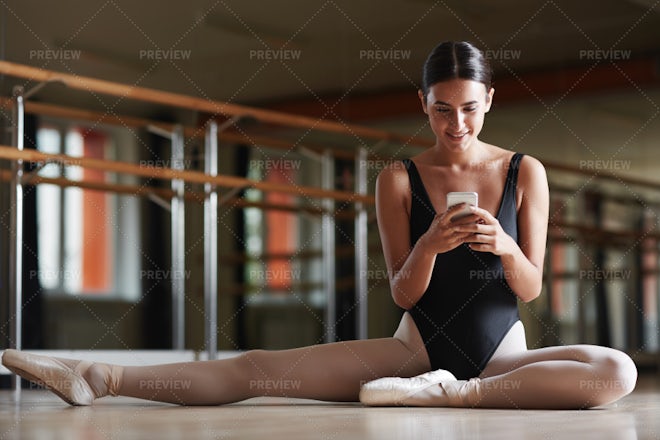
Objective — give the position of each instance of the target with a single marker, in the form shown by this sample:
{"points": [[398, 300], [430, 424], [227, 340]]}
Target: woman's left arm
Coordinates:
{"points": [[522, 261]]}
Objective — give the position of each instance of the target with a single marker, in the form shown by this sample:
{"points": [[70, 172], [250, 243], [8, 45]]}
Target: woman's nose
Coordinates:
{"points": [[456, 119]]}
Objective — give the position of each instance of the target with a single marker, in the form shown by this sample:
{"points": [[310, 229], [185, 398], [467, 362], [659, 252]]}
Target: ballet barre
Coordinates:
{"points": [[165, 193], [242, 257], [238, 137], [155, 172], [199, 104], [601, 174], [71, 113]]}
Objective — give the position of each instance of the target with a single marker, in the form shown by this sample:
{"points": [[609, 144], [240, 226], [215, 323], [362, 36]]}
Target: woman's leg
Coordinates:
{"points": [[331, 372], [567, 377], [325, 372], [574, 376]]}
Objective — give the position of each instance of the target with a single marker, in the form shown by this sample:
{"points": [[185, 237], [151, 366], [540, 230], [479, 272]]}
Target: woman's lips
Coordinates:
{"points": [[457, 136]]}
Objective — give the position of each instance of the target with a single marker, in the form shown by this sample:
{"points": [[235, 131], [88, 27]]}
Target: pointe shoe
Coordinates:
{"points": [[393, 391], [53, 374]]}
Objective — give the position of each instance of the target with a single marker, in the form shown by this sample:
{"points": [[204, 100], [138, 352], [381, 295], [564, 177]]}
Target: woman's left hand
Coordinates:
{"points": [[487, 234]]}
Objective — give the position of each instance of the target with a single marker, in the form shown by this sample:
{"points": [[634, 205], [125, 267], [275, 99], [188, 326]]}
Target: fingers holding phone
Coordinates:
{"points": [[466, 199], [444, 234]]}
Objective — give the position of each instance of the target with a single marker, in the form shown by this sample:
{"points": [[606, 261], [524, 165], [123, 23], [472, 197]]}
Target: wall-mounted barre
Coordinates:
{"points": [[166, 193], [10, 153], [72, 113], [199, 104], [43, 109]]}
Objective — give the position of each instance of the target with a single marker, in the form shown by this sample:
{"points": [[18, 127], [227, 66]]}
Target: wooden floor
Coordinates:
{"points": [[41, 415]]}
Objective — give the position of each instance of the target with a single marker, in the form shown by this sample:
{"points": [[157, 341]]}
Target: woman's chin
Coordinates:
{"points": [[457, 145]]}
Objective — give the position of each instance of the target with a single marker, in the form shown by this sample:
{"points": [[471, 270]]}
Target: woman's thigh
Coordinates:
{"points": [[591, 354], [336, 371], [329, 371], [572, 376], [513, 343], [409, 335]]}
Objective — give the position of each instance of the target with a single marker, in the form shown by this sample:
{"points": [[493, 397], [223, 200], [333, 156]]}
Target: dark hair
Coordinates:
{"points": [[456, 59]]}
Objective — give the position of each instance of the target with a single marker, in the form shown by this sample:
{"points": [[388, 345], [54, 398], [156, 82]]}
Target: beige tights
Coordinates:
{"points": [[566, 377], [577, 376], [332, 372], [570, 377]]}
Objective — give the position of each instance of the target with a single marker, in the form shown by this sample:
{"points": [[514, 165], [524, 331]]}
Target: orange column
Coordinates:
{"points": [[281, 230], [97, 263]]}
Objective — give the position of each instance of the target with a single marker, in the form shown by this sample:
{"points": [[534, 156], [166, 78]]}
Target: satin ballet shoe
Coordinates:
{"points": [[67, 382], [393, 391]]}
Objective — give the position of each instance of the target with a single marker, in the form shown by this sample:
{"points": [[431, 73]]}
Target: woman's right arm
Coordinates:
{"points": [[409, 270]]}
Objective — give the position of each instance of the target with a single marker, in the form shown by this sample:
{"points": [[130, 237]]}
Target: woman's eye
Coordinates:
{"points": [[441, 110], [470, 109]]}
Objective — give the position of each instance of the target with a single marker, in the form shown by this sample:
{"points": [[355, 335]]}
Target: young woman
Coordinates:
{"points": [[459, 282]]}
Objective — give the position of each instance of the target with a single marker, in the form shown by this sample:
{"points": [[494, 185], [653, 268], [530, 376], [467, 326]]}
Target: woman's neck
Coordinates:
{"points": [[439, 155]]}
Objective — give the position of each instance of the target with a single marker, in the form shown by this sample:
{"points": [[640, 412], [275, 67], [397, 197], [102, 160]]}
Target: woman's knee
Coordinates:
{"points": [[251, 362], [615, 376], [622, 370], [250, 369]]}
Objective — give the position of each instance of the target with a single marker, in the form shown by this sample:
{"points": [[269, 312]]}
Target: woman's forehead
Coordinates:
{"points": [[456, 92]]}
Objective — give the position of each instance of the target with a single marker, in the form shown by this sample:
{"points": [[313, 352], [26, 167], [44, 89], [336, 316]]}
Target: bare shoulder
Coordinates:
{"points": [[532, 188], [393, 184], [393, 176], [531, 172]]}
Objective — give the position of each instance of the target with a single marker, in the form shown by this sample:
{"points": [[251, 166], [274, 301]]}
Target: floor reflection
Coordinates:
{"points": [[476, 424]]}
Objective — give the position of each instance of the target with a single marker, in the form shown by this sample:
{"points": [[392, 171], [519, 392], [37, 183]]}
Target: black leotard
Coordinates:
{"points": [[468, 307]]}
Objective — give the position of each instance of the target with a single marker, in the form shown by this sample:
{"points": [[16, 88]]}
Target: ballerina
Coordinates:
{"points": [[460, 341]]}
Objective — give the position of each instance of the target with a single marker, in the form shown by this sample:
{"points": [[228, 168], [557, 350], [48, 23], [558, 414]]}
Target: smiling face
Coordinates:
{"points": [[456, 110]]}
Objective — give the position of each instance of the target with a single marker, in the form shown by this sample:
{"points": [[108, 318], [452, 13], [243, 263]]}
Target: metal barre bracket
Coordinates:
{"points": [[160, 131], [41, 85]]}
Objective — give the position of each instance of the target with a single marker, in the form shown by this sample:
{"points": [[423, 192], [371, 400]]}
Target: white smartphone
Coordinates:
{"points": [[456, 198]]}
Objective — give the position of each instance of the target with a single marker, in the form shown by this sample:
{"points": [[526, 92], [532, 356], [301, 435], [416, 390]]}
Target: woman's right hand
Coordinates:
{"points": [[442, 235]]}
